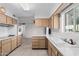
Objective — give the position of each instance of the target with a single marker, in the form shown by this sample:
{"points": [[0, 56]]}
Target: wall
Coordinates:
{"points": [[3, 31], [12, 30], [32, 30]]}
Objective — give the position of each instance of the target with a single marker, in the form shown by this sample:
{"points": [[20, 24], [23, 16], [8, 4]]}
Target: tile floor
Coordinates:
{"points": [[26, 50]]}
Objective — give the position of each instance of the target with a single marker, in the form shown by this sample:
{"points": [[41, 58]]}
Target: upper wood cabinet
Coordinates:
{"points": [[2, 19], [2, 10], [14, 21], [42, 22], [51, 22], [54, 22], [9, 20]]}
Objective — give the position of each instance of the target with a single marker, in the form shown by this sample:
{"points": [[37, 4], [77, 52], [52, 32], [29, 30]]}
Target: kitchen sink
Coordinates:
{"points": [[70, 44]]}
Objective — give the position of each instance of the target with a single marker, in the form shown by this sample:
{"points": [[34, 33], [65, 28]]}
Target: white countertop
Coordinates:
{"points": [[65, 48], [6, 37]]}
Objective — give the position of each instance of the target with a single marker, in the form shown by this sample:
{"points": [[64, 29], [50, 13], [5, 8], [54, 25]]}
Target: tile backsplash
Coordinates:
{"points": [[6, 31], [3, 31]]}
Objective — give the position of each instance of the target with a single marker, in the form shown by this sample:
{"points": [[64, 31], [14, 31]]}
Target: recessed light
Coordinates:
{"points": [[25, 6]]}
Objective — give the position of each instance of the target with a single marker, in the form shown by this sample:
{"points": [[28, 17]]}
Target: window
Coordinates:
{"points": [[72, 20]]}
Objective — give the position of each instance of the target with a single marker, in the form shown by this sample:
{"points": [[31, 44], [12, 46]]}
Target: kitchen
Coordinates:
{"points": [[39, 29]]}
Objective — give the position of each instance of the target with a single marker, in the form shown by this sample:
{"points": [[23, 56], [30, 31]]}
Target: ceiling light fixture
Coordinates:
{"points": [[25, 6]]}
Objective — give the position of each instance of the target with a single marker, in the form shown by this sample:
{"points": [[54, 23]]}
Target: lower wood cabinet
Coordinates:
{"points": [[9, 44], [14, 43], [39, 42], [6, 46], [0, 48], [19, 41], [35, 43], [52, 50], [49, 49]]}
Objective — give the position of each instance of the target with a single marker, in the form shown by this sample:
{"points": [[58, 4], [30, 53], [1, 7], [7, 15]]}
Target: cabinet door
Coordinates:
{"points": [[46, 43], [49, 49], [59, 54], [2, 18], [42, 22], [35, 43], [0, 48], [56, 21], [6, 46], [54, 51], [41, 43], [19, 40], [2, 10], [14, 43], [14, 21], [9, 20], [51, 22]]}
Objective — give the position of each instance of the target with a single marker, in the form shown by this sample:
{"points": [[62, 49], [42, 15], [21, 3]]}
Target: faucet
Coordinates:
{"points": [[71, 41]]}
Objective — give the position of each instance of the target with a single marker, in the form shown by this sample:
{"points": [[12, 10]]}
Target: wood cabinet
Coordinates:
{"points": [[59, 54], [43, 22], [2, 19], [54, 22], [51, 22], [49, 49], [14, 43], [6, 46], [19, 40], [39, 42], [52, 50], [14, 21], [9, 20], [2, 10], [0, 48], [35, 43]]}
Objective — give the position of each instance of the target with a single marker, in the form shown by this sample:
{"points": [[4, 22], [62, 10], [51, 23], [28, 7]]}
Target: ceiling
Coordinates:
{"points": [[33, 10]]}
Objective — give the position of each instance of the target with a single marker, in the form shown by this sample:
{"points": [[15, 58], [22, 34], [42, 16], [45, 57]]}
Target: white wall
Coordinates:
{"points": [[12, 30], [32, 30]]}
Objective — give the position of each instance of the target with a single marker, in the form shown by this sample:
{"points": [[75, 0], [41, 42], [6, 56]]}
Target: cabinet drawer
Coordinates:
{"points": [[35, 46], [35, 40]]}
